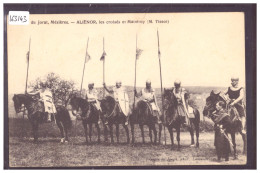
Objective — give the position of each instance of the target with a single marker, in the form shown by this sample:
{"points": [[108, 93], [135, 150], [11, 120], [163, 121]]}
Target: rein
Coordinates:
{"points": [[112, 111], [169, 104]]}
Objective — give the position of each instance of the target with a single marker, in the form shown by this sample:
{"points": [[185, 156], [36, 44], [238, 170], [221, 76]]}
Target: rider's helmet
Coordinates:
{"points": [[148, 83], [177, 83], [118, 83], [90, 85]]}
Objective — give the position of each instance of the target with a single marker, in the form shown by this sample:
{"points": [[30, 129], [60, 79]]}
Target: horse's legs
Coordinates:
{"points": [[66, 135], [160, 132], [90, 132], [171, 136], [98, 131], [105, 132], [192, 133], [244, 142], [142, 131], [61, 131], [111, 133], [35, 130], [155, 133], [197, 128], [133, 131], [178, 136], [127, 133], [86, 130], [233, 136], [150, 134], [117, 133]]}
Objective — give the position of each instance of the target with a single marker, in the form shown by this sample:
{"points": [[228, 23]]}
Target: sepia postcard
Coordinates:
{"points": [[128, 89]]}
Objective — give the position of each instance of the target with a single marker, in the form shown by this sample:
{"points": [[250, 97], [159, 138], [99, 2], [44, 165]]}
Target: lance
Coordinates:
{"points": [[135, 73], [85, 61], [84, 68], [103, 58], [159, 57], [28, 63]]}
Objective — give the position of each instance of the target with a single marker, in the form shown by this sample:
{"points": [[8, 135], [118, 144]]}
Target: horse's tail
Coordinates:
{"points": [[64, 116]]}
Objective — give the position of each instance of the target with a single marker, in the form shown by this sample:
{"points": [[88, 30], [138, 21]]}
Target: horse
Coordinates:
{"points": [[143, 115], [114, 116], [172, 120], [36, 115], [235, 124], [89, 115]]}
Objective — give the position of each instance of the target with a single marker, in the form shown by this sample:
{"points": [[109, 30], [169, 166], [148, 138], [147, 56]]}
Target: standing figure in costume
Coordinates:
{"points": [[121, 98], [236, 95], [148, 95], [222, 127], [92, 98]]}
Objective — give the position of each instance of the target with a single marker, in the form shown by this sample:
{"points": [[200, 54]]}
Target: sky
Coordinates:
{"points": [[200, 49]]}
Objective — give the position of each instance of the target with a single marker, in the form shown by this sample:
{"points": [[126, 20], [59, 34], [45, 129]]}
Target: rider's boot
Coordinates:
{"points": [[126, 120]]}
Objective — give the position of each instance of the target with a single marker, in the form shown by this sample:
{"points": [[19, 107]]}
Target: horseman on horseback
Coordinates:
{"points": [[46, 98], [148, 95], [236, 96], [92, 98], [179, 93], [118, 91]]}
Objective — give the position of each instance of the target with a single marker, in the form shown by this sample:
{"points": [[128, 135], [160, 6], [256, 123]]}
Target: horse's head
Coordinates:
{"points": [[107, 104], [17, 103], [211, 102], [76, 103], [169, 98], [168, 94]]}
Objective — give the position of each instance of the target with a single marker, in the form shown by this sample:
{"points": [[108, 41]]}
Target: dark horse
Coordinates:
{"points": [[235, 124], [143, 115], [111, 110], [89, 115], [36, 115], [173, 120]]}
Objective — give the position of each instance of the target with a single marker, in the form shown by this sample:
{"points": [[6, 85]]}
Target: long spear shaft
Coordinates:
{"points": [[83, 69], [104, 67], [28, 63], [159, 56], [135, 73], [82, 84]]}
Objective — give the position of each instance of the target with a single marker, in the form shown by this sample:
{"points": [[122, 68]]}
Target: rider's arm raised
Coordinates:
{"points": [[108, 90]]}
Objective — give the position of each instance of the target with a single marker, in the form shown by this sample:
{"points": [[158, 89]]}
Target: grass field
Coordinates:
{"points": [[49, 152]]}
